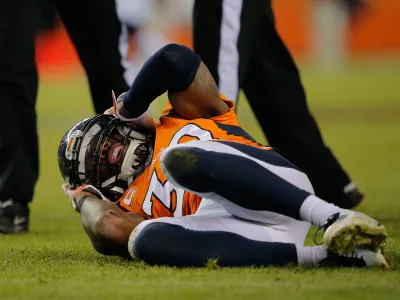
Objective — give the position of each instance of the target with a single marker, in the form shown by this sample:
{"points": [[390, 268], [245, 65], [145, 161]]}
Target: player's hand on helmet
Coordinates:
{"points": [[76, 195], [118, 110]]}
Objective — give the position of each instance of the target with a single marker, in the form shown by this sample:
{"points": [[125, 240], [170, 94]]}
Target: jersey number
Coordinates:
{"points": [[164, 193], [170, 197]]}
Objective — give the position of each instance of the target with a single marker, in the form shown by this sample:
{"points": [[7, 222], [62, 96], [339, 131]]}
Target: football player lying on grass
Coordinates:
{"points": [[196, 186]]}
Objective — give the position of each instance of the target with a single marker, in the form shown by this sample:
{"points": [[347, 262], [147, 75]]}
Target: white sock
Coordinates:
{"points": [[317, 211], [311, 255]]}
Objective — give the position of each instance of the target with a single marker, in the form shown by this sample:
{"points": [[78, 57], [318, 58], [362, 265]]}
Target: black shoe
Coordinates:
{"points": [[348, 199], [14, 217], [353, 197]]}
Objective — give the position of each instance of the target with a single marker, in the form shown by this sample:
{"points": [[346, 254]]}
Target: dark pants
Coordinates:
{"points": [[18, 90], [94, 29], [270, 80]]}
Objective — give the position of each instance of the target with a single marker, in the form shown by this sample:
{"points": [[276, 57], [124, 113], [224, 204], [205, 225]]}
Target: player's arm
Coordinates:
{"points": [[107, 226], [192, 90]]}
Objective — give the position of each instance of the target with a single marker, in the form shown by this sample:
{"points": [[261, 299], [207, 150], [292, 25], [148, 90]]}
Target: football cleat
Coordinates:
{"points": [[358, 258], [349, 230], [353, 198], [14, 217]]}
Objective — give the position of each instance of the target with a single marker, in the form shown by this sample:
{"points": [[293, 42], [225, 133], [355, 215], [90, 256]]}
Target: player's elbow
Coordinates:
{"points": [[173, 52], [104, 227], [111, 235], [180, 65]]}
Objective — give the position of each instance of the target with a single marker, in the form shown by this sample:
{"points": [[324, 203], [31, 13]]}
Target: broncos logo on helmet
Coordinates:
{"points": [[105, 152]]}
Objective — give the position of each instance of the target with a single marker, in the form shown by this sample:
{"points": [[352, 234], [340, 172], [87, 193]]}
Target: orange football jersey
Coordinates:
{"points": [[150, 194]]}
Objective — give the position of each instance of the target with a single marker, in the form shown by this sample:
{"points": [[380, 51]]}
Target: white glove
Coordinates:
{"points": [[144, 120], [72, 194]]}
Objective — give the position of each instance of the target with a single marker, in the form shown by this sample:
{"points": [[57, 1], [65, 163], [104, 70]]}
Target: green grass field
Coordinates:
{"points": [[358, 110]]}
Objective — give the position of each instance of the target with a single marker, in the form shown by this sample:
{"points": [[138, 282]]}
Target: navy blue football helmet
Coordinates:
{"points": [[105, 152]]}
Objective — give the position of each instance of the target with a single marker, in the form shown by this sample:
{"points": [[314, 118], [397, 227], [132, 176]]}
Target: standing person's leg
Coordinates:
{"points": [[276, 95], [18, 91], [95, 30], [224, 35]]}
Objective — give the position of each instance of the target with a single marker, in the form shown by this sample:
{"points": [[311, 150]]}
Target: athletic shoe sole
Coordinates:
{"points": [[358, 231], [381, 260]]}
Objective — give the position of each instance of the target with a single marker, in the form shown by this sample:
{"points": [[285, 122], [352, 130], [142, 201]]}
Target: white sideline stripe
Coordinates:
{"points": [[349, 187], [228, 56], [123, 51]]}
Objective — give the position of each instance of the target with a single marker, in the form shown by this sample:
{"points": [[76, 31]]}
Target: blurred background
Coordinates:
{"points": [[348, 53], [328, 33]]}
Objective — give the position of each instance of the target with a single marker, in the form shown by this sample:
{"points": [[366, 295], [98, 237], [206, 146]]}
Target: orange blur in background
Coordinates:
{"points": [[371, 33]]}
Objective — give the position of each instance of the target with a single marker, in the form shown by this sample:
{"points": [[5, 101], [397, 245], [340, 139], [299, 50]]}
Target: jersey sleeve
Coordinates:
{"points": [[167, 109], [228, 118]]}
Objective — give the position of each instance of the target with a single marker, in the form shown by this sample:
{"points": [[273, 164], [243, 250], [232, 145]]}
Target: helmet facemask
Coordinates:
{"points": [[111, 155]]}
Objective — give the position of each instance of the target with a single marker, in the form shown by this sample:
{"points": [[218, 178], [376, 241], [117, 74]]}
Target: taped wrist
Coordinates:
{"points": [[80, 202], [172, 68]]}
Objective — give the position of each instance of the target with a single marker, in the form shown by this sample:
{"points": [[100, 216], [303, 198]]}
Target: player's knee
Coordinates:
{"points": [[148, 243], [174, 52], [181, 162]]}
